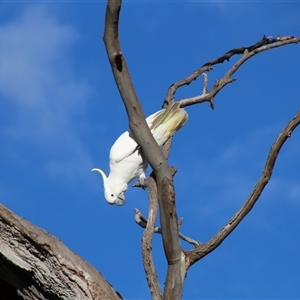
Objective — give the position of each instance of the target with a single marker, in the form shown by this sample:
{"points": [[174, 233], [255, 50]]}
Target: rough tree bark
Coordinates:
{"points": [[36, 265]]}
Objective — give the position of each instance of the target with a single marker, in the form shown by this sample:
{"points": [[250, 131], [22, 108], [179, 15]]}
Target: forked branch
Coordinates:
{"points": [[204, 249], [266, 43]]}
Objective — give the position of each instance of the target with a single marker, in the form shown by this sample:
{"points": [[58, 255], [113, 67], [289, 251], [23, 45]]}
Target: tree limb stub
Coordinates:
{"points": [[38, 265], [204, 249]]}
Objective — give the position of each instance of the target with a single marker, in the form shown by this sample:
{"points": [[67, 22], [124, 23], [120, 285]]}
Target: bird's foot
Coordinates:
{"points": [[142, 181]]}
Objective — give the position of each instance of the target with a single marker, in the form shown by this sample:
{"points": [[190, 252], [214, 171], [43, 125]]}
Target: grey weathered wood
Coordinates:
{"points": [[36, 265]]}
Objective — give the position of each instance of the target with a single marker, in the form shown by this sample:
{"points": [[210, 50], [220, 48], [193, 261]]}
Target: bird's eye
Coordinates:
{"points": [[111, 195]]}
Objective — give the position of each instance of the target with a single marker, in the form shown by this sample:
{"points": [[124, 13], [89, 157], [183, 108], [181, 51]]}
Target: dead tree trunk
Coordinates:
{"points": [[36, 265]]}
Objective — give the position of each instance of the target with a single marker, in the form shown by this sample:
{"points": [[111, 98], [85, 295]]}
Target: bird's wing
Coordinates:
{"points": [[123, 147]]}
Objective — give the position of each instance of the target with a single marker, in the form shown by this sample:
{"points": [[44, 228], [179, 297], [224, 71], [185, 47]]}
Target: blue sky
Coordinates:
{"points": [[60, 112]]}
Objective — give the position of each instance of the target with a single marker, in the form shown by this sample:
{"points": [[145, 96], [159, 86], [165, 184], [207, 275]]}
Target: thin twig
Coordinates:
{"points": [[189, 240], [142, 221]]}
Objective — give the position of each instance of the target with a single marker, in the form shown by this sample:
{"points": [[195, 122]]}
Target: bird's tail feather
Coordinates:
{"points": [[173, 112]]}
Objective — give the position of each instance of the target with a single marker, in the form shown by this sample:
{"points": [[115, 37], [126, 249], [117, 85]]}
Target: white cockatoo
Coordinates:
{"points": [[125, 159]]}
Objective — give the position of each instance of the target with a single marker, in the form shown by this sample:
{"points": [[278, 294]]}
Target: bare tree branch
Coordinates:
{"points": [[204, 249], [148, 262], [266, 43], [150, 150]]}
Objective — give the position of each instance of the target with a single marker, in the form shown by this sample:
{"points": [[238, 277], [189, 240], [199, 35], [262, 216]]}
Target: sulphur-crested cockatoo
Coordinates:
{"points": [[125, 159]]}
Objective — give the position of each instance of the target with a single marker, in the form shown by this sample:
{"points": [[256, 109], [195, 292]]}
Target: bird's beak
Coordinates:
{"points": [[120, 200]]}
